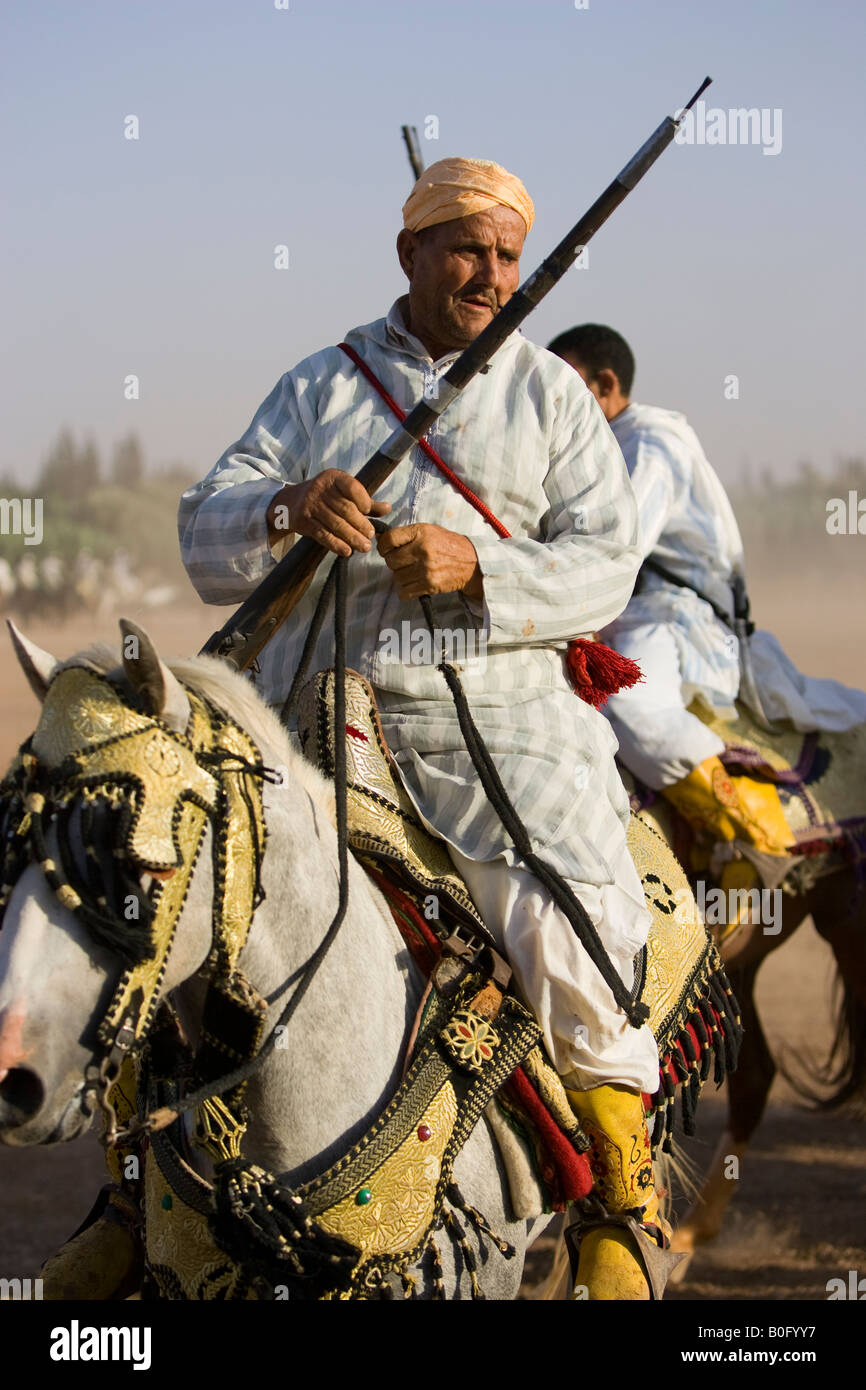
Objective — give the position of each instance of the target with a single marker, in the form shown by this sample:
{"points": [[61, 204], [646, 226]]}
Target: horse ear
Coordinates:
{"points": [[37, 665], [151, 678]]}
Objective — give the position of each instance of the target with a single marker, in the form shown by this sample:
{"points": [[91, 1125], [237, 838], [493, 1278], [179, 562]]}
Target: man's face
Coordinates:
{"points": [[460, 274]]}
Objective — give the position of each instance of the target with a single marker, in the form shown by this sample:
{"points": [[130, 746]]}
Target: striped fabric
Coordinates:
{"points": [[688, 525], [529, 439]]}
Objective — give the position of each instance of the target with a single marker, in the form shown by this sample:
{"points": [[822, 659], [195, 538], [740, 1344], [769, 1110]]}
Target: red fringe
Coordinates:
{"points": [[597, 671], [666, 1064]]}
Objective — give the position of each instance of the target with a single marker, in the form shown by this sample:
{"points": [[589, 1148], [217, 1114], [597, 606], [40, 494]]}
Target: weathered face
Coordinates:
{"points": [[461, 273]]}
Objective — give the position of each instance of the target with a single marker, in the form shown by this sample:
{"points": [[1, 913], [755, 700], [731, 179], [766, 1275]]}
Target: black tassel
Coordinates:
{"points": [[717, 1040], [474, 1217], [730, 1014], [667, 1146], [262, 1226], [679, 1063], [688, 1045], [659, 1120], [438, 1272], [697, 1023], [460, 1243]]}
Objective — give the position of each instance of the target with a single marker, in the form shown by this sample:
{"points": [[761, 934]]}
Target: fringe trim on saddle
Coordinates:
{"points": [[708, 1034]]}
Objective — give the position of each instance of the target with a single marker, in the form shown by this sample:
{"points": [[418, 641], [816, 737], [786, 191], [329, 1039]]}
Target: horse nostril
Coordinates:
{"points": [[21, 1095]]}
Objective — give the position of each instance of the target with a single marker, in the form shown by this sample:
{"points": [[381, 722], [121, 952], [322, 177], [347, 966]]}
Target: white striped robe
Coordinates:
{"points": [[688, 525], [530, 440]]}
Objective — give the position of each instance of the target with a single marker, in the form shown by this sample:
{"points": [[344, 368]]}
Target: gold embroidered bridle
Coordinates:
{"points": [[137, 798]]}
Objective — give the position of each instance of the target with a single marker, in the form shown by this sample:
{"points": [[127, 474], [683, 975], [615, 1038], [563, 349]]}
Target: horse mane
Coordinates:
{"points": [[232, 693]]}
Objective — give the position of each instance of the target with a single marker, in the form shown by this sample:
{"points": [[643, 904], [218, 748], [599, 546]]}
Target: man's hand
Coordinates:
{"points": [[331, 508], [428, 559]]}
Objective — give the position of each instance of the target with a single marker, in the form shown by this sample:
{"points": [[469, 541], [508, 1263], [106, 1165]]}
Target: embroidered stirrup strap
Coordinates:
{"points": [[595, 671]]}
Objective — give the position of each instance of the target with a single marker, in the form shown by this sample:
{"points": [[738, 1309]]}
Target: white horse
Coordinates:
{"points": [[346, 1043]]}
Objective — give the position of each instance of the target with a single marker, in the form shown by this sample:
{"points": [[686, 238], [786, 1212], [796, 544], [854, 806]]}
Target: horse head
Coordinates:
{"points": [[92, 813], [152, 820]]}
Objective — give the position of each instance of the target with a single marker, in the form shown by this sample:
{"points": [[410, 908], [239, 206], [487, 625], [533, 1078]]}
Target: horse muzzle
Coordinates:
{"points": [[31, 1111], [27, 1117], [22, 1096]]}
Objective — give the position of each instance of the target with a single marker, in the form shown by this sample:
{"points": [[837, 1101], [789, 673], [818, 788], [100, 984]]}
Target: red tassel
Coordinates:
{"points": [[597, 671]]}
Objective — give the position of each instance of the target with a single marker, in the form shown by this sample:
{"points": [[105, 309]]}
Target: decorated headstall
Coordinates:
{"points": [[125, 796]]}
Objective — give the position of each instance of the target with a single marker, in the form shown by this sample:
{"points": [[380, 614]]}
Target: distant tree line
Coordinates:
{"points": [[124, 506], [784, 520]]}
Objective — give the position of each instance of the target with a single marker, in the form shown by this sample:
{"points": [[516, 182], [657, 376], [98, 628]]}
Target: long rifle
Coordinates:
{"points": [[413, 149], [244, 635]]}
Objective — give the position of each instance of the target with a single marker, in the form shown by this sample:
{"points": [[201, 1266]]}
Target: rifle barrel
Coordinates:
{"points": [[413, 149]]}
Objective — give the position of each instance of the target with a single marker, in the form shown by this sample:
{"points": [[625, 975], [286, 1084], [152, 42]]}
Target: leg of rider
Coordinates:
{"points": [[673, 752], [604, 1062], [659, 740]]}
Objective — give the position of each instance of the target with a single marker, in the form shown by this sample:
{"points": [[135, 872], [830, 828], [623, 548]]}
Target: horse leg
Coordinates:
{"points": [[748, 1086], [839, 914]]}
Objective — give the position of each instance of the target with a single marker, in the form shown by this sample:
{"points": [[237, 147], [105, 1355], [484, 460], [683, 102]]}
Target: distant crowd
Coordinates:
{"points": [[53, 588]]}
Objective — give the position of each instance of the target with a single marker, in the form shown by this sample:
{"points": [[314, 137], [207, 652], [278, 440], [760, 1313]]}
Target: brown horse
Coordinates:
{"points": [[833, 894]]}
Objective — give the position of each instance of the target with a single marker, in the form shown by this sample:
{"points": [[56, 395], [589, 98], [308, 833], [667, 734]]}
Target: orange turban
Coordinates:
{"points": [[453, 188]]}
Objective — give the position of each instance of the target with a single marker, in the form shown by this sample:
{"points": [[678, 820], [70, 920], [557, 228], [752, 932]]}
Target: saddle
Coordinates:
{"points": [[679, 974], [819, 777]]}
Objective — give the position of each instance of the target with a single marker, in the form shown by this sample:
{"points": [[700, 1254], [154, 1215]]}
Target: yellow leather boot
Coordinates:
{"points": [[731, 808], [721, 807], [609, 1264]]}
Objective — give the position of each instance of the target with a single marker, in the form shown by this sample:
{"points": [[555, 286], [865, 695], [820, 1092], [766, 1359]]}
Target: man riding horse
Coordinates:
{"points": [[684, 626], [530, 438]]}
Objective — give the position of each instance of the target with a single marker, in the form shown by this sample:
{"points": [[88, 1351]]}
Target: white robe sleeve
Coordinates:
{"points": [[580, 573], [222, 520]]}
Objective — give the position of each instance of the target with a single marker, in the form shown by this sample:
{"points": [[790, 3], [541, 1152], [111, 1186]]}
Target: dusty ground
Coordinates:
{"points": [[798, 1217]]}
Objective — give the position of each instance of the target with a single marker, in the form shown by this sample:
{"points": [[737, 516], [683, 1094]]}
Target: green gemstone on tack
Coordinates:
{"points": [[167, 1202], [364, 1196]]}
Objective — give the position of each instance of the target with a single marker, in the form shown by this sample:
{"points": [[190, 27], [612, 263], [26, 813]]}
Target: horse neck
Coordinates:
{"points": [[341, 1054]]}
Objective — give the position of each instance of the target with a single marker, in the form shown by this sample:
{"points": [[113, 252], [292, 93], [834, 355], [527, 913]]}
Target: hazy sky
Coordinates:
{"points": [[262, 126]]}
